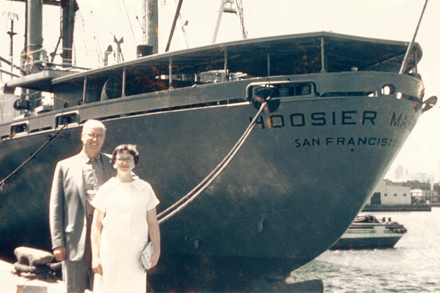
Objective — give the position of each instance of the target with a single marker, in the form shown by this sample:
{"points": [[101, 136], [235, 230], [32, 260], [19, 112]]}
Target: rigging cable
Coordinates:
{"points": [[96, 39], [2, 183], [84, 34], [196, 191], [129, 22]]}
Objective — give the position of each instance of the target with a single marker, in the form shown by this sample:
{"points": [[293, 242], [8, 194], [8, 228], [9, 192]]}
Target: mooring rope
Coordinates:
{"points": [[196, 191], [2, 183]]}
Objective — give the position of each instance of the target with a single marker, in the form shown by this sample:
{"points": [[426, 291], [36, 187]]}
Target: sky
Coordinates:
{"points": [[98, 22]]}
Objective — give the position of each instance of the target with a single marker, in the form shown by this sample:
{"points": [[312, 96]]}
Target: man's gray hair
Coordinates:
{"points": [[92, 123]]}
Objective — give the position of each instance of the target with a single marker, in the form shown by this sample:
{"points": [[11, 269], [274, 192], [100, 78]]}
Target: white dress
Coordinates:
{"points": [[124, 234]]}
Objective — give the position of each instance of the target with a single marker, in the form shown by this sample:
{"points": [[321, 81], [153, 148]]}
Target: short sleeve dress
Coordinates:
{"points": [[124, 234]]}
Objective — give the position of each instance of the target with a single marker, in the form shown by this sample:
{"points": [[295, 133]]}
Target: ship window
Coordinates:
{"points": [[66, 118], [404, 194], [18, 128], [395, 194], [286, 90], [348, 94], [385, 194]]}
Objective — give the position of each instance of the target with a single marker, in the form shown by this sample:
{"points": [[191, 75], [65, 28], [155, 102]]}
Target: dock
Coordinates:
{"points": [[397, 208], [11, 283]]}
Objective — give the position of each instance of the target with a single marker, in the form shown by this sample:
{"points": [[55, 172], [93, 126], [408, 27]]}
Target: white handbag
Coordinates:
{"points": [[147, 255]]}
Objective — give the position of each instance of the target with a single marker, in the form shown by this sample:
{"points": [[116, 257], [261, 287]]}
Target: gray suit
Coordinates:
{"points": [[68, 222]]}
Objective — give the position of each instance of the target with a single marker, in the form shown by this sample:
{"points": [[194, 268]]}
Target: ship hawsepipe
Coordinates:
{"points": [[298, 182]]}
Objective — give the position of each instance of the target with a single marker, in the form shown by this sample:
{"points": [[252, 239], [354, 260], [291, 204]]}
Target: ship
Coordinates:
{"points": [[324, 115], [367, 232]]}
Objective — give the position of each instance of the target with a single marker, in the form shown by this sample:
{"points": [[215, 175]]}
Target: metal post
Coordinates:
{"points": [[226, 64], [84, 89], [268, 64], [124, 74], [170, 74], [322, 55]]}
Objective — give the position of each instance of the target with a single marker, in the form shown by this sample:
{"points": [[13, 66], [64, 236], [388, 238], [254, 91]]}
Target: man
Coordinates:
{"points": [[75, 183]]}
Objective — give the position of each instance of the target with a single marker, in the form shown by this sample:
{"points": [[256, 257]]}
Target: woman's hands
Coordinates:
{"points": [[153, 227], [155, 258], [97, 265]]}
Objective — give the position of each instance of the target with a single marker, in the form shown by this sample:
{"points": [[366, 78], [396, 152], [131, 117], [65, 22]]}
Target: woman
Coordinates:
{"points": [[125, 214]]}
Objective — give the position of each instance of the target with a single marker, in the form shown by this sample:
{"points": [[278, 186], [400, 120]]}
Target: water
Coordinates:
{"points": [[413, 265]]}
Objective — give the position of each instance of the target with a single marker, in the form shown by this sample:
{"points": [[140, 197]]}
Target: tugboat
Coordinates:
{"points": [[323, 114], [367, 232]]}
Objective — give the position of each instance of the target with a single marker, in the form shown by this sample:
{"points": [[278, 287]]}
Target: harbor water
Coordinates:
{"points": [[411, 266]]}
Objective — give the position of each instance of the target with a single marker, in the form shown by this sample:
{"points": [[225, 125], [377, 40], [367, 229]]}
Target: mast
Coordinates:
{"points": [[34, 26], [67, 26], [30, 99], [11, 34], [150, 22]]}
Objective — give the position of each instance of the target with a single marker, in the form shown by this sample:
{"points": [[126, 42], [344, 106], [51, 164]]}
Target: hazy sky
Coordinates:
{"points": [[99, 21]]}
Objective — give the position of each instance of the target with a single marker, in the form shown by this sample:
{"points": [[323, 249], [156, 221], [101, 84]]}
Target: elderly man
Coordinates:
{"points": [[75, 183]]}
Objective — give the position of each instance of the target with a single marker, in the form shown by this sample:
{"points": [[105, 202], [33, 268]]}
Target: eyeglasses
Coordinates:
{"points": [[121, 160], [97, 136]]}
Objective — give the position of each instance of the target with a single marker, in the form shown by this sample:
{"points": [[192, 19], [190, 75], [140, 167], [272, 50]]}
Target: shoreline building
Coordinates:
{"points": [[425, 196], [390, 193]]}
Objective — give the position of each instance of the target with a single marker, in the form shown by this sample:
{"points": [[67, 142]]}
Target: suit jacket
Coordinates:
{"points": [[67, 218]]}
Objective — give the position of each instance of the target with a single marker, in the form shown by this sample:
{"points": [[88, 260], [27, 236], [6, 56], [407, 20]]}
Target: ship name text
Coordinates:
{"points": [[346, 141], [345, 118]]}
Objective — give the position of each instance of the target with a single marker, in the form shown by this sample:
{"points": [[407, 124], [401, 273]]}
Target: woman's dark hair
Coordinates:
{"points": [[131, 148]]}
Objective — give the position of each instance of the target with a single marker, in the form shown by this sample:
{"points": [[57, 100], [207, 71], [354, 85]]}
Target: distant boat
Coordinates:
{"points": [[367, 232]]}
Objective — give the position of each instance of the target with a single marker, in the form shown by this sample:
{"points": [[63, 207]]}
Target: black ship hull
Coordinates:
{"points": [[274, 193]]}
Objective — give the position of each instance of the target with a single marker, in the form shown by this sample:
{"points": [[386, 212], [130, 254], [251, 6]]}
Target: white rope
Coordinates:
{"points": [[196, 191]]}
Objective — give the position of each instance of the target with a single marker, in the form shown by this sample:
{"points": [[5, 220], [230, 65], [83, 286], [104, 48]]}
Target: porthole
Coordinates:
{"points": [[388, 90]]}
